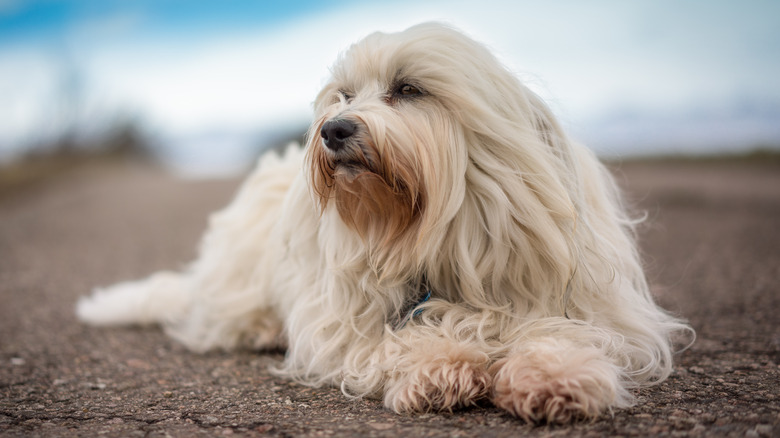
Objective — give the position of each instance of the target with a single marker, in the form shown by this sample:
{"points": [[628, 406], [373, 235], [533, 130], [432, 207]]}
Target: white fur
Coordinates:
{"points": [[507, 215]]}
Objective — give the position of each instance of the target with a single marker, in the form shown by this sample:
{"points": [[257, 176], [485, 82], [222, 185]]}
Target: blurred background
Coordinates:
{"points": [[204, 87]]}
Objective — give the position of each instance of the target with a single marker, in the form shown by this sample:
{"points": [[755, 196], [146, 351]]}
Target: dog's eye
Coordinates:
{"points": [[407, 90], [347, 96]]}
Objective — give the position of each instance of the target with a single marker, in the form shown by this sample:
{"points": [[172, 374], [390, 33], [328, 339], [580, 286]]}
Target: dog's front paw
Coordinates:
{"points": [[555, 386], [438, 385]]}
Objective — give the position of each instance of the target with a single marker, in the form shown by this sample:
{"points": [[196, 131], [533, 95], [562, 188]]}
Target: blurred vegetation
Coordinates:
{"points": [[76, 131], [123, 141], [761, 154]]}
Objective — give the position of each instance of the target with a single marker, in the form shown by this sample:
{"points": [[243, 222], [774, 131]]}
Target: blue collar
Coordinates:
{"points": [[412, 311]]}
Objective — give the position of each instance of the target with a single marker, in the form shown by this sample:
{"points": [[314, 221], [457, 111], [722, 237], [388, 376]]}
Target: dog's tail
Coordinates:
{"points": [[161, 298]]}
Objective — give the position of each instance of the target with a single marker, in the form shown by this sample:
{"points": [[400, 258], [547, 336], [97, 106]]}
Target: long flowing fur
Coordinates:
{"points": [[469, 188]]}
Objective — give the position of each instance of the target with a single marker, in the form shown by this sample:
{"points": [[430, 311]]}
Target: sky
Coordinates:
{"points": [[211, 80]]}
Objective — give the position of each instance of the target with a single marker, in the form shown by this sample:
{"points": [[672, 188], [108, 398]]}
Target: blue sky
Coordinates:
{"points": [[54, 18], [625, 77]]}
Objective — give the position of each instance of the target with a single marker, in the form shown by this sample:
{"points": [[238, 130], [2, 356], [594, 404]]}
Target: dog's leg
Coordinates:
{"points": [[556, 381], [435, 375]]}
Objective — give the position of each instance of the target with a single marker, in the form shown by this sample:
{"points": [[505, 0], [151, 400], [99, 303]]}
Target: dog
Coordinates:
{"points": [[439, 243]]}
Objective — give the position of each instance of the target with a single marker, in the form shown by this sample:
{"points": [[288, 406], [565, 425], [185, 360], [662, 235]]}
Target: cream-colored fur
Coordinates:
{"points": [[461, 183]]}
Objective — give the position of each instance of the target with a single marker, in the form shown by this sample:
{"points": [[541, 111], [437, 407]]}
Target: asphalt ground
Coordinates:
{"points": [[711, 243]]}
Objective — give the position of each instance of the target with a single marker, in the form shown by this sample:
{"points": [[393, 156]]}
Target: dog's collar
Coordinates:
{"points": [[412, 309]]}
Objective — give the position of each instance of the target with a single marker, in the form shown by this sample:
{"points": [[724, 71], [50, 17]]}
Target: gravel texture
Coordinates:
{"points": [[712, 246]]}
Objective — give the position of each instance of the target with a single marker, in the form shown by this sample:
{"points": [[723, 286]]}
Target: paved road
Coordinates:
{"points": [[712, 245]]}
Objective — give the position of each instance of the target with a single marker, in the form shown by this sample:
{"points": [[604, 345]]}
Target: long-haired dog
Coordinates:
{"points": [[439, 242]]}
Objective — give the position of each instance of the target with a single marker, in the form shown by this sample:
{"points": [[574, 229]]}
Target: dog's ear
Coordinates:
{"points": [[551, 133]]}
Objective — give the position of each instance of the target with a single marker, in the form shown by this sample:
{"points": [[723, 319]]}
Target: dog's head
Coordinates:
{"points": [[413, 126]]}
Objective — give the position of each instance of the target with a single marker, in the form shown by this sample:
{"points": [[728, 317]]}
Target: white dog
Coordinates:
{"points": [[439, 242]]}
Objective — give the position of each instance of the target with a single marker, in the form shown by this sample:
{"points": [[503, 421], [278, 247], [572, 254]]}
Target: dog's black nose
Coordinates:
{"points": [[336, 132]]}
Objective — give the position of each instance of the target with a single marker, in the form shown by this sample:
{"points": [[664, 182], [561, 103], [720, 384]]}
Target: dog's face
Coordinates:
{"points": [[401, 121], [379, 126]]}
